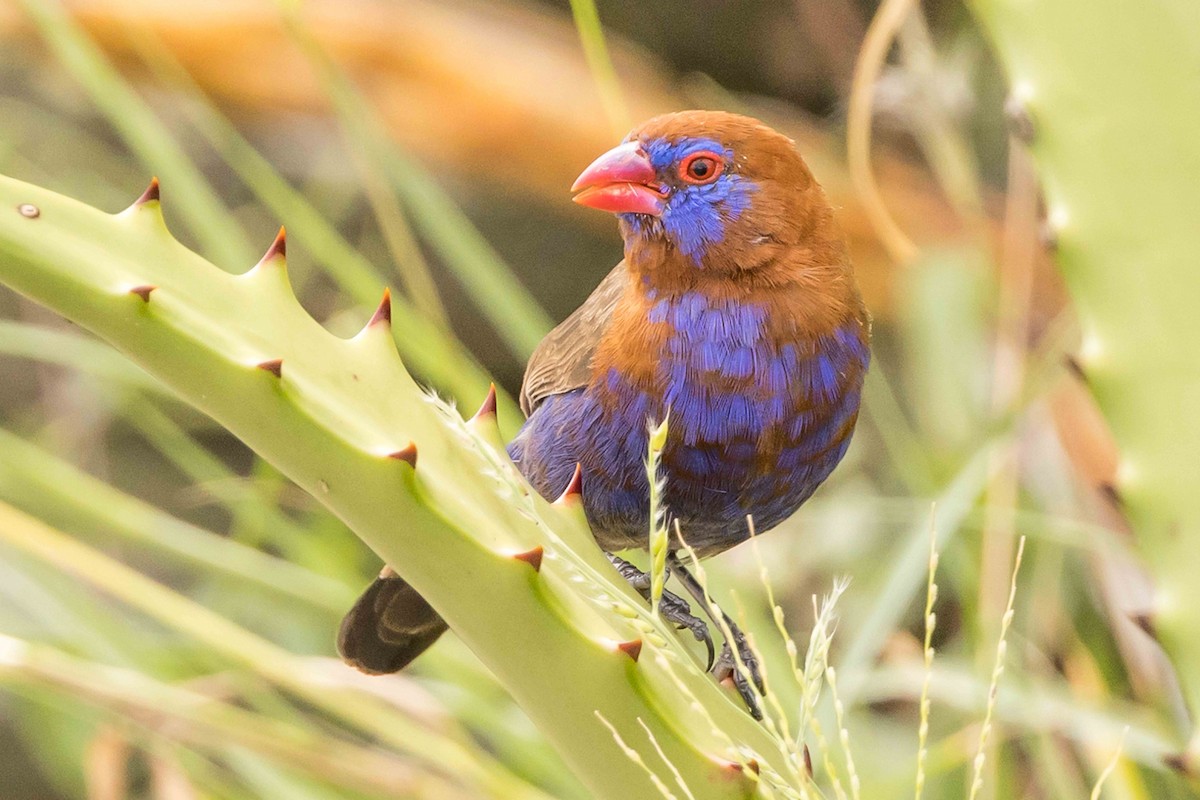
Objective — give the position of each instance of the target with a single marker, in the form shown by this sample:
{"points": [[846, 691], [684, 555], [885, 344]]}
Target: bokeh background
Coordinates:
{"points": [[429, 146]]}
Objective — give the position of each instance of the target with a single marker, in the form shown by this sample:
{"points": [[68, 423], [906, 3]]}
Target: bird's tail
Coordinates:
{"points": [[388, 627]]}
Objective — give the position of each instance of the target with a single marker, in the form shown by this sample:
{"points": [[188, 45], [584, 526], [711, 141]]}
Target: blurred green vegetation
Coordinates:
{"points": [[972, 423]]}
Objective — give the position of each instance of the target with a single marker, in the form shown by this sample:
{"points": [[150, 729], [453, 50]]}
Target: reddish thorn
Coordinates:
{"points": [[1178, 763], [1075, 368], [740, 769], [1048, 236], [632, 648], [574, 489], [1111, 494], [277, 248], [1020, 123], [1146, 623], [383, 314], [488, 409], [808, 762], [408, 454], [274, 366], [150, 195], [143, 292], [532, 557]]}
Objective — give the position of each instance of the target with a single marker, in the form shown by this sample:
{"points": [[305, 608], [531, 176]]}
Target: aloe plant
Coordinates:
{"points": [[520, 580], [1107, 97]]}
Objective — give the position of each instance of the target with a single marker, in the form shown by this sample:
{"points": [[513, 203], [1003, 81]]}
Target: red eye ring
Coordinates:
{"points": [[702, 167]]}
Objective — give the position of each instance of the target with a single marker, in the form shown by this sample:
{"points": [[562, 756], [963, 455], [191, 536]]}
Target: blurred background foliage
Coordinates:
{"points": [[429, 146]]}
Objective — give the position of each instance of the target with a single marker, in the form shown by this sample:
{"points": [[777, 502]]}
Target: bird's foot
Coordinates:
{"points": [[748, 677], [742, 674], [674, 609]]}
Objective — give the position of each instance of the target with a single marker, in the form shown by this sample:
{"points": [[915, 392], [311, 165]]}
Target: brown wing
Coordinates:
{"points": [[562, 361]]}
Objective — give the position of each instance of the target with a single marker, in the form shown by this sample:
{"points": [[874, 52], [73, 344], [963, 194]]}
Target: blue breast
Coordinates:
{"points": [[756, 424]]}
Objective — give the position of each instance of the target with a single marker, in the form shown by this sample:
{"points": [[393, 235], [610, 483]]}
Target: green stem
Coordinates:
{"points": [[595, 50]]}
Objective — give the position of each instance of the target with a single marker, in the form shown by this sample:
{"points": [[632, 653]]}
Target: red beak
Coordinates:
{"points": [[622, 181]]}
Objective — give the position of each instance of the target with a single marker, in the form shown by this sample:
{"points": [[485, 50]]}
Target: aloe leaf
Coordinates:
{"points": [[430, 493]]}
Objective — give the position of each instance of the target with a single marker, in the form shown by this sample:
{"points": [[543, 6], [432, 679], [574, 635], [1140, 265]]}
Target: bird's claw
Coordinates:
{"points": [[676, 610], [749, 676], [727, 667], [673, 608], [633, 576]]}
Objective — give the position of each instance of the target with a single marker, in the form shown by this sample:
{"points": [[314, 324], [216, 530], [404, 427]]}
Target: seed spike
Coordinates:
{"points": [[274, 366], [383, 314], [632, 648], [574, 491], [488, 409], [151, 195], [407, 454], [532, 557], [143, 292]]}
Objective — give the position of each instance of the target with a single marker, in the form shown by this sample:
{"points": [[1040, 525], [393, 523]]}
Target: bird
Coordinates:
{"points": [[734, 314]]}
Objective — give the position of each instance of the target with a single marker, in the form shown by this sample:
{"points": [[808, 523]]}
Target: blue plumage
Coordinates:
{"points": [[735, 310], [717, 465], [697, 218]]}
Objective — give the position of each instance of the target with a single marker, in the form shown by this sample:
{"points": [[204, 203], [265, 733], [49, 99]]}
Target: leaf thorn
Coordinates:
{"points": [[407, 454], [278, 248], [574, 491], [532, 557], [632, 648], [383, 314], [273, 366], [1144, 621], [143, 292], [488, 409], [151, 195]]}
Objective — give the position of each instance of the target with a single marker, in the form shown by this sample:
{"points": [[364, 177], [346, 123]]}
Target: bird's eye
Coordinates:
{"points": [[700, 167]]}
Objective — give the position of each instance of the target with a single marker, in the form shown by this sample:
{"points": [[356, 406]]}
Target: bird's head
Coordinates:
{"points": [[716, 191]]}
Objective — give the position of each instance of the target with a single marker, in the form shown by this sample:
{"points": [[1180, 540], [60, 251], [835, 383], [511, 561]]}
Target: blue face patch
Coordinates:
{"points": [[695, 216]]}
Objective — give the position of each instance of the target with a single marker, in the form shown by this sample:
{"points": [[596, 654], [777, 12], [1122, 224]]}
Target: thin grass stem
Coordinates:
{"points": [[997, 671]]}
